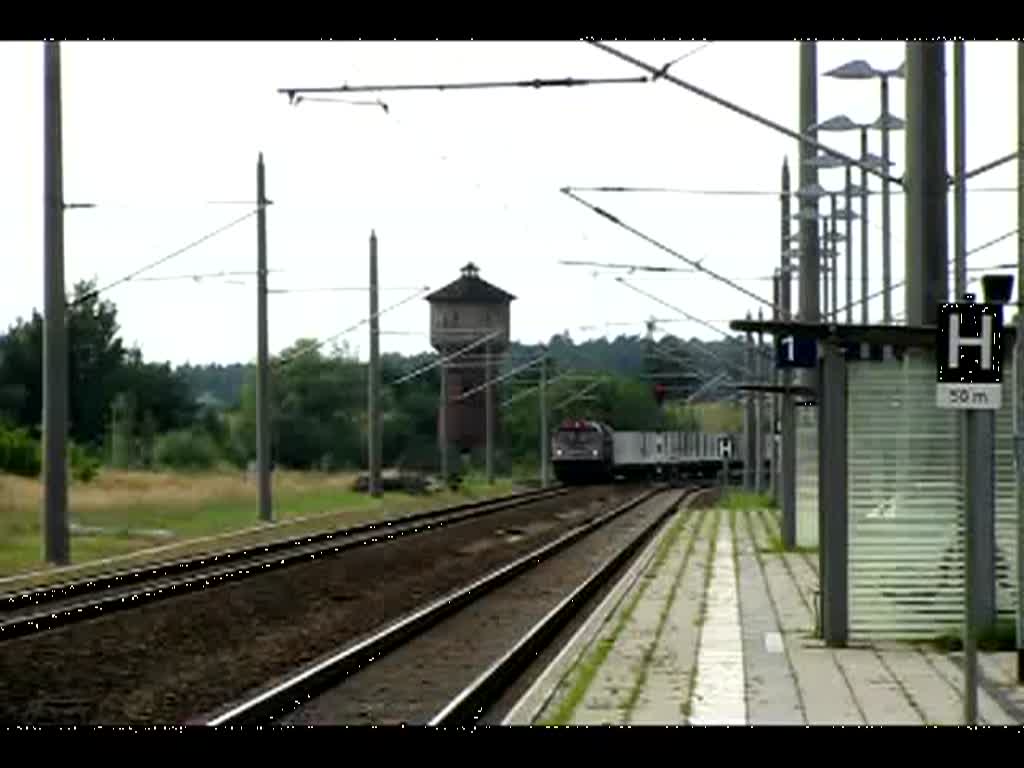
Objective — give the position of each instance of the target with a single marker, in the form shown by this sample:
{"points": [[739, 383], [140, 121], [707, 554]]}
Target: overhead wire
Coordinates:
{"points": [[163, 260], [697, 265], [309, 349]]}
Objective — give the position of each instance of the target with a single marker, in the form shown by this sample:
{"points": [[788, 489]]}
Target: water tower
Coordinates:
{"points": [[469, 311]]}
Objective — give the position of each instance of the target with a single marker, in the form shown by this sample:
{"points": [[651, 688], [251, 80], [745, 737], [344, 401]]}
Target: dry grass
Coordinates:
{"points": [[141, 517]]}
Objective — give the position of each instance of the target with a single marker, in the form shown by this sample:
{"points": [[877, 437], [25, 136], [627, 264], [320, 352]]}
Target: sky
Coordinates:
{"points": [[163, 138]]}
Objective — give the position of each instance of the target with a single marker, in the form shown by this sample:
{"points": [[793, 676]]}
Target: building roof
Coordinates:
{"points": [[472, 289]]}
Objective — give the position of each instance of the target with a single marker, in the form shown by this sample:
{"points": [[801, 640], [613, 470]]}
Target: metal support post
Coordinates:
{"points": [[373, 426], [832, 499], [788, 466], [833, 250], [56, 533], [262, 352], [926, 183], [749, 424], [886, 220], [773, 405], [864, 230], [849, 248], [810, 311], [544, 423], [758, 412], [959, 170], [979, 482], [1019, 356]]}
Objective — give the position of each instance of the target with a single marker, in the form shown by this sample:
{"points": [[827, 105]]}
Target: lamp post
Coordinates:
{"points": [[830, 237], [843, 123], [861, 70]]}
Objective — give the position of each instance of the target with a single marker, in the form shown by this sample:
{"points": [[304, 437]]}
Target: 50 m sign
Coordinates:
{"points": [[969, 396]]}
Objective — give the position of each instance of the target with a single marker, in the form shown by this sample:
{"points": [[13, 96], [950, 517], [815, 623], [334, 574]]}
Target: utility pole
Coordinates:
{"points": [[489, 407], [544, 421], [263, 351], [57, 544], [373, 426], [443, 421]]}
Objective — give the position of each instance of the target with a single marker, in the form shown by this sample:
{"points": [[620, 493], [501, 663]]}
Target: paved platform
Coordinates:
{"points": [[714, 625]]}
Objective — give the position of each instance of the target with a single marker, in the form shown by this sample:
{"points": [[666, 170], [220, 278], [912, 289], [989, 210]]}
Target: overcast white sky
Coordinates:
{"points": [[152, 131]]}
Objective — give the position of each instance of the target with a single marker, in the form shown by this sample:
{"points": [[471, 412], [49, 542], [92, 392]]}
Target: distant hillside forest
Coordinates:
{"points": [[129, 413]]}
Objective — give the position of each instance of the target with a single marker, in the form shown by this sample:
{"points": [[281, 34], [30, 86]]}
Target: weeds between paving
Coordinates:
{"points": [[592, 662], [666, 609]]}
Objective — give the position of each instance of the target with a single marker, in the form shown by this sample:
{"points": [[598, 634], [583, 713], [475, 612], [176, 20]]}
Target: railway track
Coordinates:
{"points": [[29, 612], [450, 661], [167, 660]]}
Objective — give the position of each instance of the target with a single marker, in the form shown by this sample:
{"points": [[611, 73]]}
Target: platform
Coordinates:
{"points": [[715, 625]]}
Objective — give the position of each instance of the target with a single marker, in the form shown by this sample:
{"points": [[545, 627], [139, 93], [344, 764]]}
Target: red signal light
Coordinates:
{"points": [[659, 392]]}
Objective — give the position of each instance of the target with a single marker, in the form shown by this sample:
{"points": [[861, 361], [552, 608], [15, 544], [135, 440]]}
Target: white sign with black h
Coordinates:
{"points": [[969, 375]]}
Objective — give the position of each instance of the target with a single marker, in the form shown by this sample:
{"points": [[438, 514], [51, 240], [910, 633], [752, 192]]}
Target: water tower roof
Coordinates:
{"points": [[471, 288]]}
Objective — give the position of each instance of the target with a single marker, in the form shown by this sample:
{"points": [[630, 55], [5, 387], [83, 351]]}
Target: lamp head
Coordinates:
{"points": [[997, 288]]}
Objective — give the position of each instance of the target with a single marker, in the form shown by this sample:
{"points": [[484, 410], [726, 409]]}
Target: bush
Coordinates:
{"points": [[84, 464], [185, 449], [19, 453]]}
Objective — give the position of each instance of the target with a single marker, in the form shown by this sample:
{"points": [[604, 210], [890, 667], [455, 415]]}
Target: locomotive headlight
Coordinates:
{"points": [[558, 451], [595, 451]]}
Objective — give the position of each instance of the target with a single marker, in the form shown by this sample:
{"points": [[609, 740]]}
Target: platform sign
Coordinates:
{"points": [[969, 357], [724, 448], [796, 352]]}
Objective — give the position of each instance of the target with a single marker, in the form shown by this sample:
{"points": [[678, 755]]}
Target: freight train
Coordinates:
{"points": [[585, 452]]}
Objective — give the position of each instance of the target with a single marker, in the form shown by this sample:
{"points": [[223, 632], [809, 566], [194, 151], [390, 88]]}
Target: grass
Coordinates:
{"points": [[743, 500], [587, 669], [1003, 637], [123, 513]]}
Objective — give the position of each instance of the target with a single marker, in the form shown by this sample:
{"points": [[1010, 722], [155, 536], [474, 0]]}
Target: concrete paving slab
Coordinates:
{"points": [[665, 697], [999, 674], [719, 696], [938, 701], [609, 693], [773, 697], [878, 693], [950, 667], [826, 696]]}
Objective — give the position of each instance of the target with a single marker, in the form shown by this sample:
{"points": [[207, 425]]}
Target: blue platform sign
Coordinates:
{"points": [[796, 352]]}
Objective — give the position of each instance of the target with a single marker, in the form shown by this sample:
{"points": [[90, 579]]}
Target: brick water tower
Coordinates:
{"points": [[469, 323]]}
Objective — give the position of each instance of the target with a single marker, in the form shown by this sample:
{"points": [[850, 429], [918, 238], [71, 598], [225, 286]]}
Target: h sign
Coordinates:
{"points": [[969, 356], [724, 447]]}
